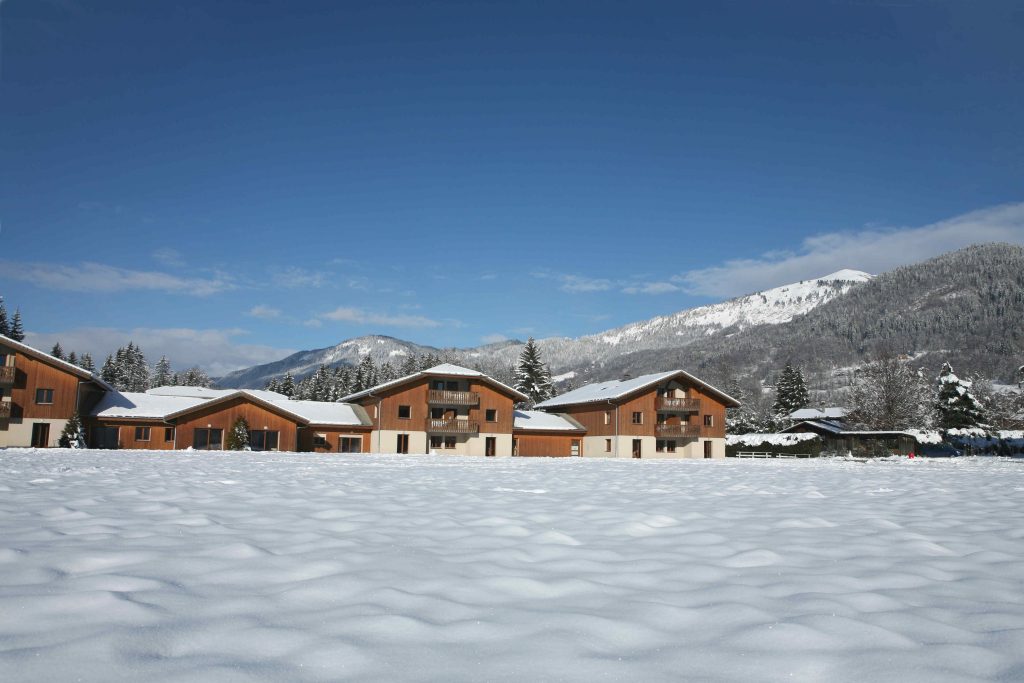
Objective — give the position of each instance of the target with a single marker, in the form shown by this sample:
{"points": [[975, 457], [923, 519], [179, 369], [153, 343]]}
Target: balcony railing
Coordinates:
{"points": [[6, 375], [5, 410], [679, 404], [684, 431], [451, 426], [453, 398]]}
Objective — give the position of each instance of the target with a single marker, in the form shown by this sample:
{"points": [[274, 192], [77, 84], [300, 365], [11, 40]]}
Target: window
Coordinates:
{"points": [[142, 433], [44, 396], [449, 442], [452, 386], [709, 420], [206, 439], [665, 446], [265, 440], [404, 412], [351, 444], [168, 433], [436, 441], [638, 418], [491, 415], [436, 413], [707, 449], [320, 441], [607, 417], [402, 443], [607, 445], [574, 447], [439, 385]]}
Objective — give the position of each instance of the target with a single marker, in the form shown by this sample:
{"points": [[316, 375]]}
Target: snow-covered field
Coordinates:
{"points": [[301, 567]]}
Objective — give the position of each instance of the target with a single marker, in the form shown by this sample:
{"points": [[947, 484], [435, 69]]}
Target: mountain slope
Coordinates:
{"points": [[568, 356]]}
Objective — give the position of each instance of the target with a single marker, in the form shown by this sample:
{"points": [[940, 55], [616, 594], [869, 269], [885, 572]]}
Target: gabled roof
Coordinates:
{"points": [[279, 407], [81, 373], [831, 426], [207, 393], [139, 405], [815, 414], [541, 421], [614, 390], [442, 370]]}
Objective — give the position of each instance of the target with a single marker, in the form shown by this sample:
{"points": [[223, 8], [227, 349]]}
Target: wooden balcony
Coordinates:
{"points": [[453, 398], [5, 410], [6, 375], [682, 431], [680, 405], [451, 426]]}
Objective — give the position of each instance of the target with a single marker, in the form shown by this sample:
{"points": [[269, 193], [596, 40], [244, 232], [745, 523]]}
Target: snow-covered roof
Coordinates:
{"points": [[138, 405], [540, 420], [620, 388], [327, 413], [815, 414], [53, 360], [444, 369], [831, 426], [207, 393], [780, 439]]}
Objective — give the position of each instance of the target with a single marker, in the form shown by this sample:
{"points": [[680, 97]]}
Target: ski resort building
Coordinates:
{"points": [[664, 415], [39, 393], [446, 409]]}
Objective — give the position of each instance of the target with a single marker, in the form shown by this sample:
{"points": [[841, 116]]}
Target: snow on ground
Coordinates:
{"points": [[302, 567]]}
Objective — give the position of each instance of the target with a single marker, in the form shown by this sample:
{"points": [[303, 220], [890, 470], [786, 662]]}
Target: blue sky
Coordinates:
{"points": [[229, 181]]}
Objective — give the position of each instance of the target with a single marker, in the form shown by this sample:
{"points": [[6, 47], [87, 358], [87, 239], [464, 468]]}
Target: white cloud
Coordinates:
{"points": [[361, 317], [493, 338], [96, 277], [874, 250], [216, 351], [576, 284], [264, 312], [298, 278], [652, 288], [169, 257]]}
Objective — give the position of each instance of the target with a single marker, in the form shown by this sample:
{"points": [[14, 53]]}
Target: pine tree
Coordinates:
{"points": [[366, 374], [73, 358], [73, 435], [5, 325], [238, 437], [194, 377], [87, 364], [108, 373], [790, 392], [162, 375], [272, 385], [57, 351], [411, 365], [532, 376], [955, 405], [288, 385], [17, 331]]}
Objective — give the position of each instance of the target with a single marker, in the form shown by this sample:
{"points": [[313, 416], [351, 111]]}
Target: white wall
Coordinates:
{"points": [[19, 434]]}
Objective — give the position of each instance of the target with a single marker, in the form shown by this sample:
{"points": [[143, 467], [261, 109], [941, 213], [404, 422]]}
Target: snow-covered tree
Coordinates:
{"points": [[532, 376], [411, 365], [5, 324], [366, 374], [162, 375], [86, 363], [287, 386], [73, 358], [272, 385], [1004, 409], [238, 437], [888, 394], [193, 377], [108, 373], [73, 435], [790, 392], [17, 331], [57, 351], [955, 405]]}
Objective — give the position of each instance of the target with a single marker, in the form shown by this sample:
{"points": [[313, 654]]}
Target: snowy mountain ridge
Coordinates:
{"points": [[566, 355]]}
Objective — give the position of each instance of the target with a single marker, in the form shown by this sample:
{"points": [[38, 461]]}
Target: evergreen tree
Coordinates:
{"points": [[288, 385], [5, 324], [57, 351], [73, 358], [272, 385], [87, 364], [790, 392], [238, 437], [17, 331], [955, 405], [366, 374], [411, 365], [532, 376], [135, 372], [386, 373], [162, 375], [108, 373], [73, 435], [194, 377]]}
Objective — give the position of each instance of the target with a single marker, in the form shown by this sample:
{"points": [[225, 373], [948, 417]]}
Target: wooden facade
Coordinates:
{"points": [[129, 438], [332, 436], [547, 443], [421, 400], [31, 374], [223, 415]]}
